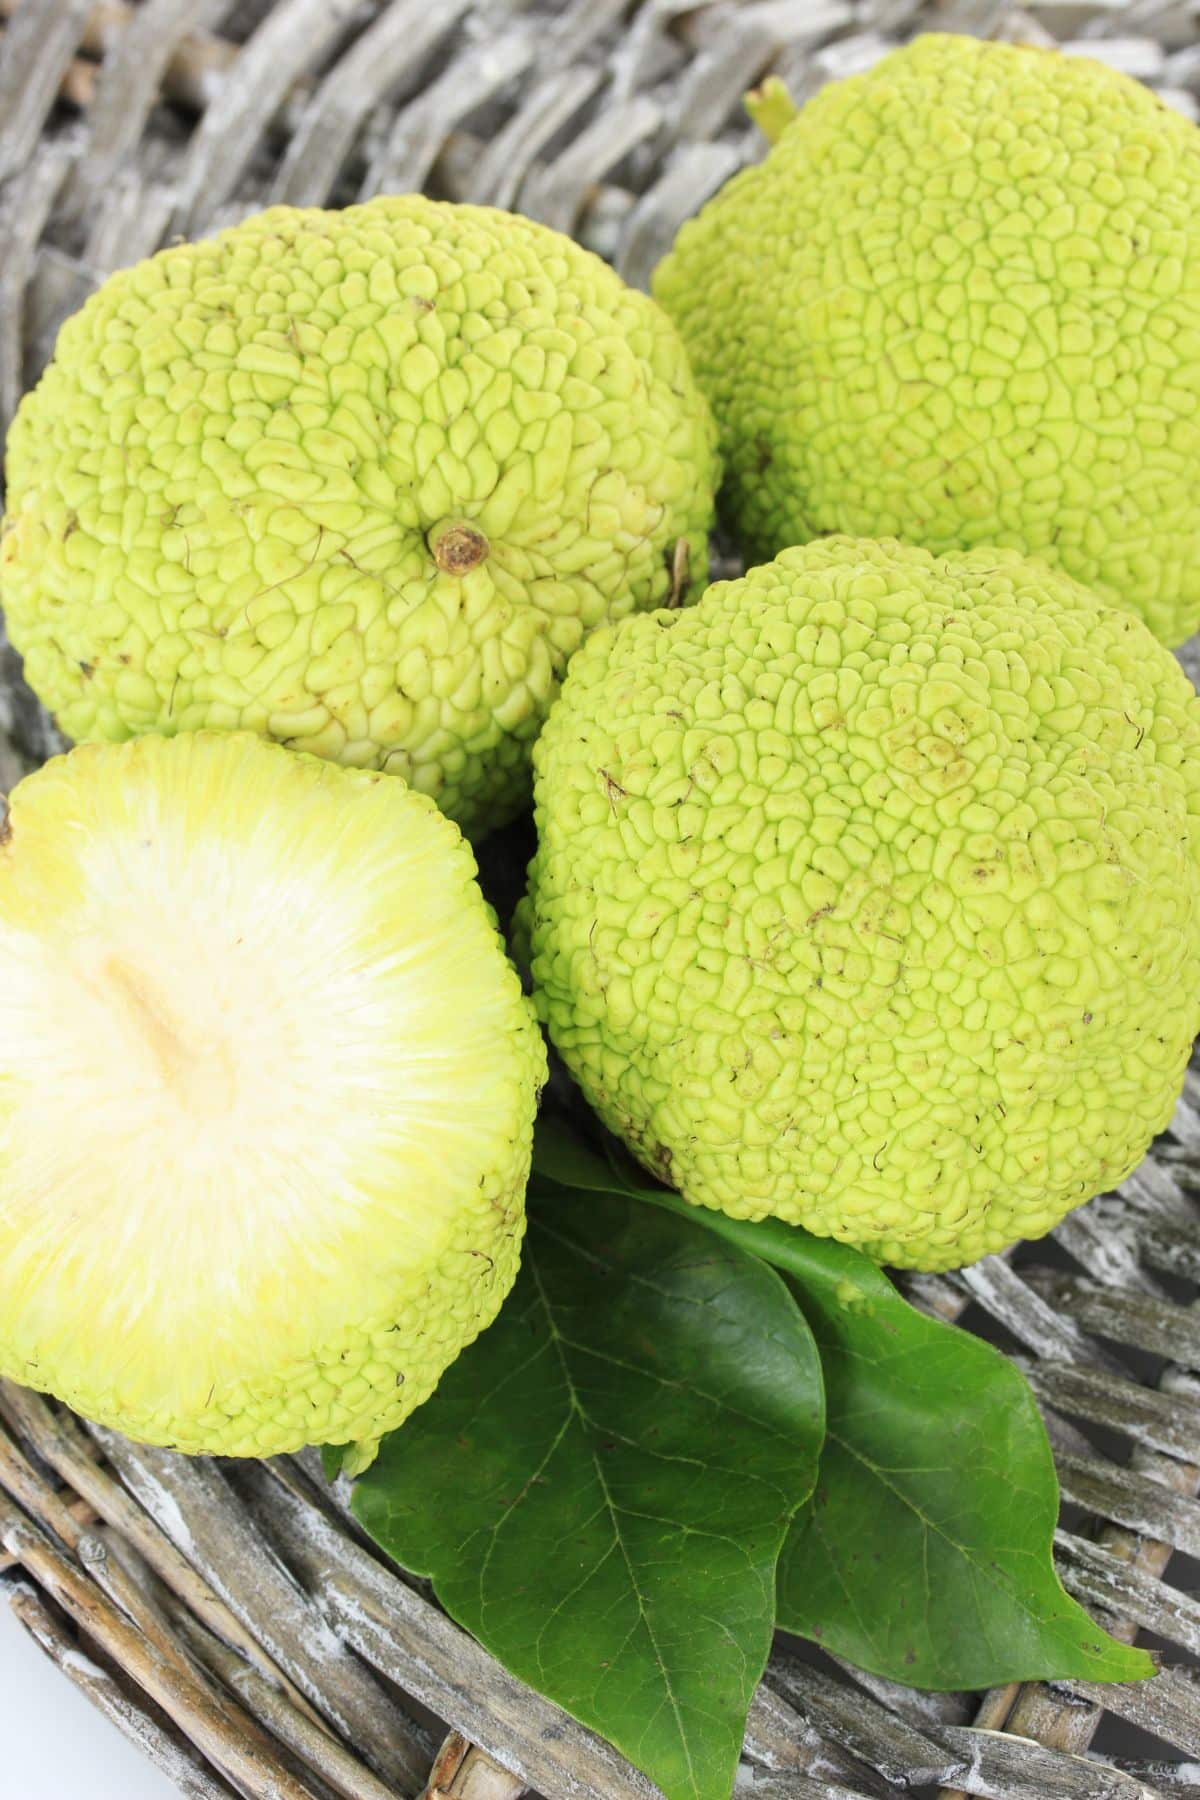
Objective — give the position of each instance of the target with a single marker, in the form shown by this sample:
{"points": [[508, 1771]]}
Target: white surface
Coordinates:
{"points": [[56, 1745]]}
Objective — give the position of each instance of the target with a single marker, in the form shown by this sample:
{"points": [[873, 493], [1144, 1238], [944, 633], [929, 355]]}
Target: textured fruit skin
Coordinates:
{"points": [[867, 894], [228, 491], [959, 304], [320, 1300]]}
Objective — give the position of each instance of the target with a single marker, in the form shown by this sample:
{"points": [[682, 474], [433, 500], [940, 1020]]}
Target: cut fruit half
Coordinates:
{"points": [[267, 1088]]}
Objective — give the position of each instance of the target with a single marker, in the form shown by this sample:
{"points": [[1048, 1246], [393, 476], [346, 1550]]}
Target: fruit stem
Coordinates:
{"points": [[459, 549], [771, 107]]}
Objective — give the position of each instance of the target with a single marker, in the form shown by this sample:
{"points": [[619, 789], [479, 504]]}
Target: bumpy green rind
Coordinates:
{"points": [[226, 491], [959, 304], [867, 894], [362, 1384], [404, 1326], [356, 1387]]}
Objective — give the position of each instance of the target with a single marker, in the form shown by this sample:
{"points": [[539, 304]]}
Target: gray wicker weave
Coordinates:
{"points": [[230, 1617]]}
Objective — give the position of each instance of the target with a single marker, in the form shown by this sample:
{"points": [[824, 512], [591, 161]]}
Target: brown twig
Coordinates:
{"points": [[194, 1709], [18, 1479], [313, 1745], [173, 1755], [60, 1443], [190, 78]]}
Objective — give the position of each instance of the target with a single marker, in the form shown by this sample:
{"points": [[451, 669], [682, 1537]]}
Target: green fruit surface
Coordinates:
{"points": [[358, 481], [959, 304], [867, 894]]}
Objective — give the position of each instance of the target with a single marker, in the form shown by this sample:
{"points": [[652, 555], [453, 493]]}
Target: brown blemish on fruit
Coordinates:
{"points": [[460, 550], [612, 789], [662, 1163]]}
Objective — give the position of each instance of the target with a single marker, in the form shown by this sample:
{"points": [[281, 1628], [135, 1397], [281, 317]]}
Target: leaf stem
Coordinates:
{"points": [[771, 108]]}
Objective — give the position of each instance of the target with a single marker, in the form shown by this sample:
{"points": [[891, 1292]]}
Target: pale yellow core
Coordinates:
{"points": [[201, 1074]]}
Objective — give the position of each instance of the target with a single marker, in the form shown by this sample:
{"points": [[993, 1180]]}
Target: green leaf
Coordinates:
{"points": [[600, 1486], [925, 1551], [332, 1458]]}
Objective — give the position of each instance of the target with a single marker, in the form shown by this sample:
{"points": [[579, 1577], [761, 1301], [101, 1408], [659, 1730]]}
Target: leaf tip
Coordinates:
{"points": [[332, 1459]]}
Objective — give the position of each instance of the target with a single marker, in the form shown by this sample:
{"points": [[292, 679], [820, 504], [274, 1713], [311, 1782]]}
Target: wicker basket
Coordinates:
{"points": [[230, 1617]]}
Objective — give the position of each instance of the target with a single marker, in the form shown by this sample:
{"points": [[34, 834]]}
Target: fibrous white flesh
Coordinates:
{"points": [[252, 1058]]}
